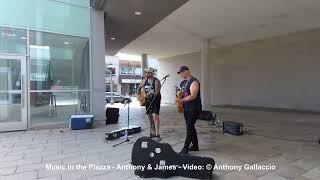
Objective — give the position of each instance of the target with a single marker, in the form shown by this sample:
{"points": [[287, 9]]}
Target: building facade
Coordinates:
{"points": [[130, 76], [112, 73], [46, 62]]}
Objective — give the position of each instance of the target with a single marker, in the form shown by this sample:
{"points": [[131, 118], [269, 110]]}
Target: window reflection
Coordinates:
{"points": [[59, 76], [13, 40]]}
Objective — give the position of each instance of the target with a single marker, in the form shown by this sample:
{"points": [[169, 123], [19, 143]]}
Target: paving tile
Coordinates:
{"points": [[291, 172], [43, 154], [21, 162], [58, 157], [235, 176], [21, 176], [301, 178], [73, 176], [51, 178], [36, 166], [306, 164], [272, 177], [12, 157], [313, 174], [7, 171]]}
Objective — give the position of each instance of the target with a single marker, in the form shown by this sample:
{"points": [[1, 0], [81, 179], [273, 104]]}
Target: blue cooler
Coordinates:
{"points": [[81, 122]]}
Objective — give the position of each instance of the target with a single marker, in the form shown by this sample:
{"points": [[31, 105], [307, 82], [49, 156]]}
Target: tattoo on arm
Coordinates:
{"points": [[157, 87]]}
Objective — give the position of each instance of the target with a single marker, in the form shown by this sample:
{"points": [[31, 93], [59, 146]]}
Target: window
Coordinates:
{"points": [[58, 60], [126, 70], [13, 40], [59, 76], [138, 71], [111, 70]]}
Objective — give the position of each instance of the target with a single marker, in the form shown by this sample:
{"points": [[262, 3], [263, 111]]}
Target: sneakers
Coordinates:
{"points": [[194, 148], [184, 151], [157, 138]]}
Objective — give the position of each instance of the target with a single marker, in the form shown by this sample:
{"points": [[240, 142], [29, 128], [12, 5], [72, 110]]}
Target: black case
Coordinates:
{"points": [[119, 133], [112, 115], [147, 152], [232, 127]]}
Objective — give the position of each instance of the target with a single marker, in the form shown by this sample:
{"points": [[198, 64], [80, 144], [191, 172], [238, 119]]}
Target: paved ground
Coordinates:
{"points": [[26, 155]]}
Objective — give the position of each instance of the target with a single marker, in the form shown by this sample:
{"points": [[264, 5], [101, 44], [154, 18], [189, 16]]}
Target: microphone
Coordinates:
{"points": [[165, 76]]}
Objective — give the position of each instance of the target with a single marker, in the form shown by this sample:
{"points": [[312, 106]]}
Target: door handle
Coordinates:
{"points": [[22, 90]]}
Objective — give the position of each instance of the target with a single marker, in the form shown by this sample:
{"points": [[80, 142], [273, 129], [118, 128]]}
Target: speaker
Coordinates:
{"points": [[207, 115], [232, 127], [112, 115]]}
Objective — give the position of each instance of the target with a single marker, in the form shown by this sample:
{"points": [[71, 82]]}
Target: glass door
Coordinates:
{"points": [[13, 92]]}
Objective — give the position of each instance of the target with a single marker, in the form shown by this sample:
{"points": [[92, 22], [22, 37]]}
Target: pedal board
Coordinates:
{"points": [[121, 132]]}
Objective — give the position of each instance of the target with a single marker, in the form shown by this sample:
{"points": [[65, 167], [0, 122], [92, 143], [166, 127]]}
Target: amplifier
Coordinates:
{"points": [[232, 127], [112, 115], [121, 132]]}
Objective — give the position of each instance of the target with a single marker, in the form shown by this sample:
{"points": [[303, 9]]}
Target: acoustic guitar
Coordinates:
{"points": [[142, 97], [179, 95]]}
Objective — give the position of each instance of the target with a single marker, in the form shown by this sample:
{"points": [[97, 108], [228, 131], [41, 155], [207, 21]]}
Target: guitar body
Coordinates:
{"points": [[160, 160], [142, 97], [179, 105]]}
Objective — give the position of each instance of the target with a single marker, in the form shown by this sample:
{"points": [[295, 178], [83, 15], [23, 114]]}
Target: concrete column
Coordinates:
{"points": [[144, 62], [97, 63], [205, 80]]}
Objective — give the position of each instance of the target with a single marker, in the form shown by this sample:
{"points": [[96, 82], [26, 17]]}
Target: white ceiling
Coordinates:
{"points": [[225, 22]]}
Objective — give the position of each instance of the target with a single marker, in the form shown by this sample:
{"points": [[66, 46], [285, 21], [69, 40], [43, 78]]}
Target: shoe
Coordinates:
{"points": [[184, 151], [194, 148], [152, 135], [157, 138]]}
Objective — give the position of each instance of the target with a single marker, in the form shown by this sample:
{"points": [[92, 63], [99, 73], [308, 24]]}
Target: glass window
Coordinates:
{"points": [[85, 3], [59, 76], [58, 106], [126, 70], [13, 40], [58, 62], [46, 15], [137, 71], [111, 70]]}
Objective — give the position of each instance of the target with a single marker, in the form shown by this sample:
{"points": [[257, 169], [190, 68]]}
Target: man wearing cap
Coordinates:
{"points": [[152, 88], [192, 107]]}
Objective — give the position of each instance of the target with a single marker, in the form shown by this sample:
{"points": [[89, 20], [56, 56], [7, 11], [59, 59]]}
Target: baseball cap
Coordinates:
{"points": [[183, 68]]}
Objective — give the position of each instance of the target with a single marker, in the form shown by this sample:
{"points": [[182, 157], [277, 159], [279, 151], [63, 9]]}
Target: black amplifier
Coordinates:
{"points": [[232, 127]]}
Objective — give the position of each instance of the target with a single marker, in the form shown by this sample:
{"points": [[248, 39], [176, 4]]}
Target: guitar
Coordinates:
{"points": [[142, 97], [179, 95]]}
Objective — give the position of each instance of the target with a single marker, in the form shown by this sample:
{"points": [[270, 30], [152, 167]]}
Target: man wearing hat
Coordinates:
{"points": [[192, 107], [152, 88]]}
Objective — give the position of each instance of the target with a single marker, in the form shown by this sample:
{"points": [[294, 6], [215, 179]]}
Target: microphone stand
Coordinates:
{"points": [[128, 119]]}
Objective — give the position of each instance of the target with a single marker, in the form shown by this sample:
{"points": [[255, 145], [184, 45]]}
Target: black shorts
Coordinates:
{"points": [[155, 106]]}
